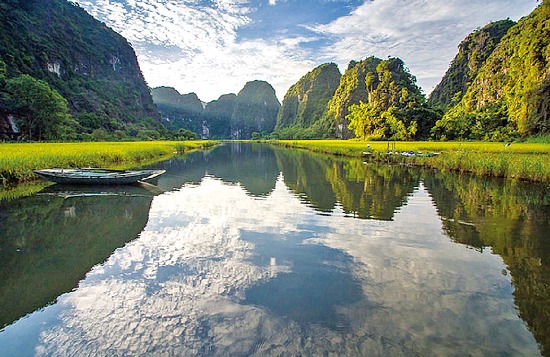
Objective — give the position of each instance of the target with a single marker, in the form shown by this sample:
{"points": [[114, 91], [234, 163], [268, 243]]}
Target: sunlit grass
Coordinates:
{"points": [[528, 161], [18, 160]]}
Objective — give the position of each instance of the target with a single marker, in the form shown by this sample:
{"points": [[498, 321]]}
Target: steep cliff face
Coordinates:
{"points": [[90, 65], [306, 101], [256, 110], [510, 95], [179, 111], [218, 115], [395, 107], [473, 51], [169, 96], [231, 116], [354, 87]]}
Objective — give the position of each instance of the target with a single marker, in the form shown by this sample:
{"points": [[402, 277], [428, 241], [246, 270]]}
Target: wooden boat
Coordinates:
{"points": [[94, 176]]}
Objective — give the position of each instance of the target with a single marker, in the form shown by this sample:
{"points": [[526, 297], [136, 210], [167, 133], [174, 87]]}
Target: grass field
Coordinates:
{"points": [[526, 161], [18, 160]]}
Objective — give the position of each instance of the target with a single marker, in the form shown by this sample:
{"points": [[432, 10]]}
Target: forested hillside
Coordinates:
{"points": [[472, 53], [255, 111], [179, 111], [85, 73], [509, 98], [353, 89], [306, 101], [394, 107]]}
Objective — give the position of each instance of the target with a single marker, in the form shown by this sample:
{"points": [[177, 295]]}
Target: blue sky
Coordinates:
{"points": [[213, 47]]}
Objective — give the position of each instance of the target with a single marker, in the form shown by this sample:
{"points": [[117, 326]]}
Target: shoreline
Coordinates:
{"points": [[521, 161], [18, 160]]}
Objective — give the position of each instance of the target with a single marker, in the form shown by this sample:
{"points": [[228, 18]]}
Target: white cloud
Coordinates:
{"points": [[424, 33], [195, 48]]}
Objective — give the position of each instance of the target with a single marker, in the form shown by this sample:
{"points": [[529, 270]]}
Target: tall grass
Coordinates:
{"points": [[527, 161], [18, 160]]}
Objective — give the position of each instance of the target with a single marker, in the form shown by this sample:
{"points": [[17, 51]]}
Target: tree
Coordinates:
{"points": [[42, 113], [395, 108]]}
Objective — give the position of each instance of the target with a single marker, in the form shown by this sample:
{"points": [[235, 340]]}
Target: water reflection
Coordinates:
{"points": [[236, 259], [50, 241], [252, 166], [363, 191], [512, 218]]}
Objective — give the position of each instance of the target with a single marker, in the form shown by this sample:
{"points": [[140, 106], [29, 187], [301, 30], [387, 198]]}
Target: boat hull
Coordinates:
{"points": [[97, 176]]}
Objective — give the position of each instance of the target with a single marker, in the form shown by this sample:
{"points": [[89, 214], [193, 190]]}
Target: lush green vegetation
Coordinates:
{"points": [[395, 108], [41, 112], [526, 161], [510, 95], [90, 88], [256, 110], [18, 160], [305, 102], [89, 65], [352, 90], [497, 88], [473, 51]]}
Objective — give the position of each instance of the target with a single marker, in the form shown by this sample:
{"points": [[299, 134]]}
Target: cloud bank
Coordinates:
{"points": [[196, 45]]}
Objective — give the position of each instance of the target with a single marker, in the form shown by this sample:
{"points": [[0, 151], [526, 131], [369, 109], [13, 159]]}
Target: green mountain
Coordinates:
{"points": [[376, 99], [230, 116], [351, 90], [169, 96], [306, 101], [473, 51], [218, 115], [392, 107], [179, 111], [256, 110], [93, 68], [510, 95]]}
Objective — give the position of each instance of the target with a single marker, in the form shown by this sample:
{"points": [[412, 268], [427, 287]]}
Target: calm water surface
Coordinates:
{"points": [[250, 250]]}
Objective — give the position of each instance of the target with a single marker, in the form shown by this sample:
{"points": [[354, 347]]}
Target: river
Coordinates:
{"points": [[251, 250]]}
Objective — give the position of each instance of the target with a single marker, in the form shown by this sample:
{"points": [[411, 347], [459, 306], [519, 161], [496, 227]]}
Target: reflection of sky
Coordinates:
{"points": [[184, 287]]}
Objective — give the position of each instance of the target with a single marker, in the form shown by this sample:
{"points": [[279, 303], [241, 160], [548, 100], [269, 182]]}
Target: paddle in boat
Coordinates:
{"points": [[95, 176]]}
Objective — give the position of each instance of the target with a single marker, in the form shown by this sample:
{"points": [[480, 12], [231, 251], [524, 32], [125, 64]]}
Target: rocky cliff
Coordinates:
{"points": [[179, 111], [91, 66], [306, 101], [510, 95], [473, 51], [256, 110]]}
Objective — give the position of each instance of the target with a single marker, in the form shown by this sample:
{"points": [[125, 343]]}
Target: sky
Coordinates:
{"points": [[213, 47]]}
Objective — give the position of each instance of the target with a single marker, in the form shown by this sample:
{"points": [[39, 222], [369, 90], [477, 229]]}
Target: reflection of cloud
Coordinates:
{"points": [[423, 285], [179, 288]]}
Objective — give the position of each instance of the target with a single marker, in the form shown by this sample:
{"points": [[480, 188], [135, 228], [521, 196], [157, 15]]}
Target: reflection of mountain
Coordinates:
{"points": [[512, 219], [250, 165], [218, 272], [49, 242], [364, 191]]}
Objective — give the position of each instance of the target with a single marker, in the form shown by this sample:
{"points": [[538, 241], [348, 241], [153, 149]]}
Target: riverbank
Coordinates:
{"points": [[18, 160], [524, 161]]}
